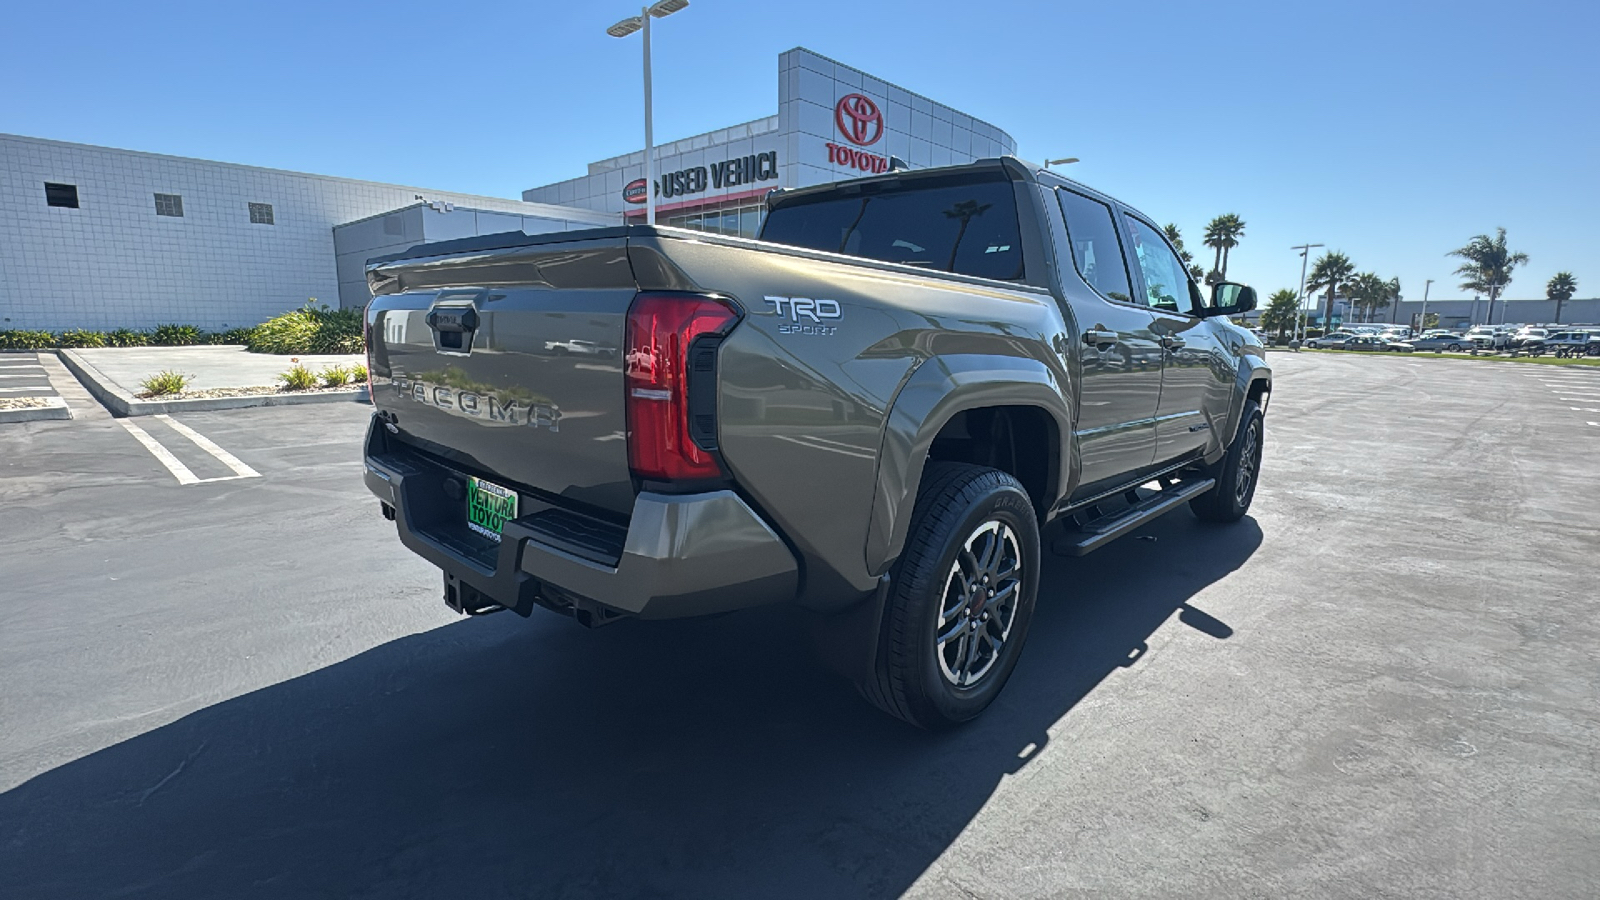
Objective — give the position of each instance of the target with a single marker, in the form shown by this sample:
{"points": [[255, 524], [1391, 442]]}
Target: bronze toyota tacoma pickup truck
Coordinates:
{"points": [[873, 411]]}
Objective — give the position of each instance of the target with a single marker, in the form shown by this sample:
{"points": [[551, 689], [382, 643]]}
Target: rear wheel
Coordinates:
{"points": [[1236, 475], [961, 599]]}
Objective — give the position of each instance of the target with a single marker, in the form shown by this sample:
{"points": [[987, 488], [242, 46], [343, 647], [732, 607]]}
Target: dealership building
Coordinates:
{"points": [[102, 238], [834, 122]]}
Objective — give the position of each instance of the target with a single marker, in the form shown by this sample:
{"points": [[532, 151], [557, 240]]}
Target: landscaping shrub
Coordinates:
{"points": [[26, 340], [165, 382], [126, 337], [358, 374], [299, 378], [339, 331], [77, 339], [335, 376], [310, 329], [235, 336], [175, 336]]}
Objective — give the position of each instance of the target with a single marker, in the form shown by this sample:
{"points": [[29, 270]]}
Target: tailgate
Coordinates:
{"points": [[507, 362]]}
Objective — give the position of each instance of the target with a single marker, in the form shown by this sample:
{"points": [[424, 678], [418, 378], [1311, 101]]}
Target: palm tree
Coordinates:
{"points": [[1280, 311], [1371, 293], [1176, 237], [1223, 234], [1488, 266], [1331, 272], [1363, 290], [1560, 289]]}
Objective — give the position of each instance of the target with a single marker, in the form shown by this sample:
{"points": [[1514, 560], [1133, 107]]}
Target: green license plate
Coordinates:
{"points": [[489, 506]]}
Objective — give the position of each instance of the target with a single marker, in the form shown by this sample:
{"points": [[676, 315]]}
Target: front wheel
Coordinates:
{"points": [[961, 599], [1236, 475]]}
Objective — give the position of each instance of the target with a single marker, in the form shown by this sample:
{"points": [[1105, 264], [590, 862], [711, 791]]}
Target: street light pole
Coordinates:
{"points": [[1422, 320], [649, 131], [641, 22], [1300, 319]]}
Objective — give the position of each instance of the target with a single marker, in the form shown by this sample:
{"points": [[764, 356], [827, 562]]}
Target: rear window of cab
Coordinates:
{"points": [[965, 224]]}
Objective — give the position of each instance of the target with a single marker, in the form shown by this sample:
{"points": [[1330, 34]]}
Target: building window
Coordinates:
{"points": [[63, 195], [169, 205], [261, 214]]}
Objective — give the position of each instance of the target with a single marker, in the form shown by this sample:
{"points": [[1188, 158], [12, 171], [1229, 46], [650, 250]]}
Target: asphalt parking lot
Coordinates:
{"points": [[1383, 683]]}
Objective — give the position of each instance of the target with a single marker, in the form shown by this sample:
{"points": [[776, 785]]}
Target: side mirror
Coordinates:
{"points": [[1229, 299]]}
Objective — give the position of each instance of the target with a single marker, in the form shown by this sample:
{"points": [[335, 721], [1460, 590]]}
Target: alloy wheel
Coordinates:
{"points": [[979, 604], [1249, 459]]}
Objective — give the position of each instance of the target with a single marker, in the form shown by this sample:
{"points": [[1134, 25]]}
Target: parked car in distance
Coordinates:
{"points": [[1441, 341], [1490, 337], [1374, 343], [1574, 343], [1334, 341], [1525, 336]]}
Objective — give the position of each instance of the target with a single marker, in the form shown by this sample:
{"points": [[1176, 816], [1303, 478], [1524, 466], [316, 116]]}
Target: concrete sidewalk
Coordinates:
{"points": [[113, 376], [212, 367]]}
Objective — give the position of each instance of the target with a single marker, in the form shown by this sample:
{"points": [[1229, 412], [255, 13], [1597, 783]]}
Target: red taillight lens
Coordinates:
{"points": [[661, 328]]}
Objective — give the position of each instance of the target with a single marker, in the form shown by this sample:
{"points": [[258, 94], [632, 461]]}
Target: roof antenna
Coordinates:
{"points": [[896, 164]]}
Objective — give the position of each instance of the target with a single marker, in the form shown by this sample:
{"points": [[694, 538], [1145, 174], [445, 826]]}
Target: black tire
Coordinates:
{"points": [[1237, 474], [1454, 348], [918, 677]]}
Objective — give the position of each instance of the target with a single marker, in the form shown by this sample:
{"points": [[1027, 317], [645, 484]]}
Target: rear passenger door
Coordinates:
{"points": [[1119, 381], [1197, 373]]}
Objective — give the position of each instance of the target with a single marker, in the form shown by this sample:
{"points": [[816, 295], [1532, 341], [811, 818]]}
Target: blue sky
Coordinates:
{"points": [[1391, 131]]}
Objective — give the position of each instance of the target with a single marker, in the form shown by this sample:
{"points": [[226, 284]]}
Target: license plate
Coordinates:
{"points": [[489, 506]]}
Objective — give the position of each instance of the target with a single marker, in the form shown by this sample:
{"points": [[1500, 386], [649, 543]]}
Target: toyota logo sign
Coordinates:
{"points": [[858, 119]]}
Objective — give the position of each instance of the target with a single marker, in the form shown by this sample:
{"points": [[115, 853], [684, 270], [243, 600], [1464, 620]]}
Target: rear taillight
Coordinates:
{"points": [[663, 330]]}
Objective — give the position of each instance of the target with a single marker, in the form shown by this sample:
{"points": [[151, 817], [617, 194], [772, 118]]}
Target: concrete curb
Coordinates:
{"points": [[123, 404], [56, 408]]}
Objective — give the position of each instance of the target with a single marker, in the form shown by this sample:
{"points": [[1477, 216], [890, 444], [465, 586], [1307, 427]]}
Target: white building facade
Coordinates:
{"points": [[834, 122], [100, 238]]}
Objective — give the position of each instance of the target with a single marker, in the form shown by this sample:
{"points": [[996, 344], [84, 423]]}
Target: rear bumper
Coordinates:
{"points": [[679, 556]]}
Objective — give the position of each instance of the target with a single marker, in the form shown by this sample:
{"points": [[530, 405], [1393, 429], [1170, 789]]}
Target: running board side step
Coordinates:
{"points": [[1098, 532]]}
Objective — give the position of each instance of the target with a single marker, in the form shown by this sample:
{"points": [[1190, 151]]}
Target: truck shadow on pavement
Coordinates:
{"points": [[498, 758]]}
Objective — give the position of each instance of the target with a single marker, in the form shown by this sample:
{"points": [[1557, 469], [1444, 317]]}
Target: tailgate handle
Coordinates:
{"points": [[460, 319]]}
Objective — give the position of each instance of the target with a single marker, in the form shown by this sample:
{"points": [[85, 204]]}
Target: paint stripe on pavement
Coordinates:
{"points": [[206, 444], [162, 454]]}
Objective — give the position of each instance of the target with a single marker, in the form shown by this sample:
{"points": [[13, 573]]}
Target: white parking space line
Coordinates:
{"points": [[1584, 408], [183, 473], [13, 390], [36, 375], [173, 464], [6, 367], [206, 444]]}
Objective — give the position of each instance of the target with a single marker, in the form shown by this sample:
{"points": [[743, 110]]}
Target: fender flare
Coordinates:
{"points": [[1252, 371], [934, 393]]}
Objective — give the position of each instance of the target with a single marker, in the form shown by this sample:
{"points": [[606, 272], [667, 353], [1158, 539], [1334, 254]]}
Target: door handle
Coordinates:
{"points": [[1172, 343], [1097, 337]]}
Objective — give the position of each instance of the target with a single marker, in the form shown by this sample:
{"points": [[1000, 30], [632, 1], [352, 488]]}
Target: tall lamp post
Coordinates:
{"points": [[1422, 320], [660, 10], [1300, 319]]}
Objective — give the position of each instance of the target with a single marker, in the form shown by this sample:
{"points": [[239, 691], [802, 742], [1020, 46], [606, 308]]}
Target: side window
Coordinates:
{"points": [[1096, 249], [1166, 281]]}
